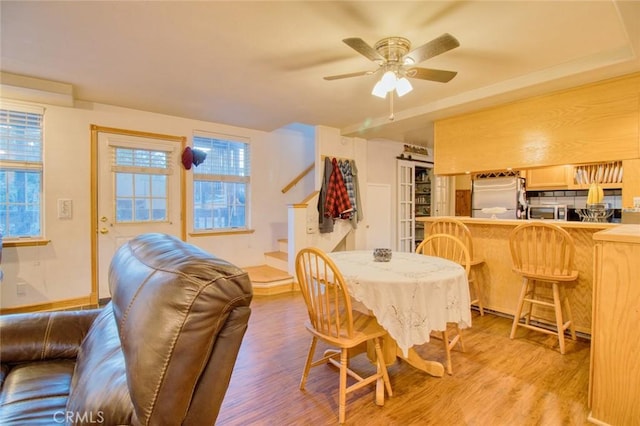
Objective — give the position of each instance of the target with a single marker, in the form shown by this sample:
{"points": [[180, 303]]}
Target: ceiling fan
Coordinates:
{"points": [[397, 61]]}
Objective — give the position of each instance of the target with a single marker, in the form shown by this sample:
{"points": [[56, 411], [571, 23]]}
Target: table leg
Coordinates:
{"points": [[392, 352], [433, 368]]}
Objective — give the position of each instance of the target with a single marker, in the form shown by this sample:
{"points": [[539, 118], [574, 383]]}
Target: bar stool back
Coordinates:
{"points": [[543, 253]]}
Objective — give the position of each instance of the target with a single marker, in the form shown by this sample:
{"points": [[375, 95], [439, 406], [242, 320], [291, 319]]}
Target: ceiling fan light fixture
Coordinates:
{"points": [[379, 90], [403, 86], [389, 80]]}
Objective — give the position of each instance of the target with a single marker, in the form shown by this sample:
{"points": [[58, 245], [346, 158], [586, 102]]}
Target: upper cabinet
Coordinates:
{"points": [[608, 175], [588, 124], [556, 177]]}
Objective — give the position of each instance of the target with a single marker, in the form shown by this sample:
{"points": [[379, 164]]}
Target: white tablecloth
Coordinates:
{"points": [[411, 295]]}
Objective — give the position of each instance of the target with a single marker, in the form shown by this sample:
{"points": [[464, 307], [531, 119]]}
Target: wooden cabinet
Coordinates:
{"points": [[614, 380], [578, 177], [587, 124], [555, 177]]}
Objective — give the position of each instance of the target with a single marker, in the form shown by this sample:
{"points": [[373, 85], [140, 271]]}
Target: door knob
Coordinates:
{"points": [[104, 231], [103, 219]]}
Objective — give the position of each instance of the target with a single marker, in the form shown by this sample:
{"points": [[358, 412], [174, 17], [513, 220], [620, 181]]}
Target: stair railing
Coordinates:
{"points": [[298, 178]]}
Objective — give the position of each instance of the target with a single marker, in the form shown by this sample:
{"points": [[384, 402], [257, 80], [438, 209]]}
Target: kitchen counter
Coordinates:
{"points": [[516, 222], [621, 234], [614, 380], [501, 286]]}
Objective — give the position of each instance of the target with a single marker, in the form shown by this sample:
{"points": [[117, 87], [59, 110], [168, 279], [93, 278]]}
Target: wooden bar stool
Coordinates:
{"points": [[543, 253], [456, 228]]}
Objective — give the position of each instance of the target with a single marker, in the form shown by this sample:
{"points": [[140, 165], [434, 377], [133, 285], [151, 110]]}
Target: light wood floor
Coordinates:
{"points": [[497, 381]]}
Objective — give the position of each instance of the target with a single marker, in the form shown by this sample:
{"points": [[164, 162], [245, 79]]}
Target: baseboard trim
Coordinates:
{"points": [[59, 305]]}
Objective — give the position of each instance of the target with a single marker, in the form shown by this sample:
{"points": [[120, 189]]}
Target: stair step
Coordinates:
{"points": [[277, 259], [267, 280], [283, 245], [280, 255]]}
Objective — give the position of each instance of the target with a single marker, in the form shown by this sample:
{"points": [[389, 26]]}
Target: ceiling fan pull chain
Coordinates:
{"points": [[391, 116]]}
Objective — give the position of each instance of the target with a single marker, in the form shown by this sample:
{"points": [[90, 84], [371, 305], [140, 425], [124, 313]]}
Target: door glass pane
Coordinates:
{"points": [[124, 210], [124, 184], [142, 213], [142, 185], [158, 186], [142, 181]]}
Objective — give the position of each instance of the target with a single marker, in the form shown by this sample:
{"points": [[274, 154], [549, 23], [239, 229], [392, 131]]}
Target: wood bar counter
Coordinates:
{"points": [[501, 286], [614, 382]]}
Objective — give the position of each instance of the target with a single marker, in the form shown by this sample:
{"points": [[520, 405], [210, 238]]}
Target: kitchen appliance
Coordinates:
{"points": [[547, 211], [499, 197]]}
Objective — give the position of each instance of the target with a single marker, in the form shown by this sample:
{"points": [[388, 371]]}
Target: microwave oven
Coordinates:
{"points": [[547, 211]]}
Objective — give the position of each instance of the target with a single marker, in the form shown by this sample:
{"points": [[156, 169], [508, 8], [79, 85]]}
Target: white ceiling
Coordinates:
{"points": [[260, 64]]}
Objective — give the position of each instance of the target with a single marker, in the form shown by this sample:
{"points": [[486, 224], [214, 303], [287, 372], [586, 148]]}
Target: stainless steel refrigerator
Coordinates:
{"points": [[490, 196]]}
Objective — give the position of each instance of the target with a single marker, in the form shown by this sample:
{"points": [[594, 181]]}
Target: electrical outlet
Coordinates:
{"points": [[65, 209]]}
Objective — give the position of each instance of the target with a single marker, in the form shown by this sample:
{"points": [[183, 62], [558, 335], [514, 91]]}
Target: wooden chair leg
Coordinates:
{"points": [[569, 315], [460, 341], [516, 318], [383, 367], [559, 322], [307, 365], [532, 287], [342, 398], [476, 289]]}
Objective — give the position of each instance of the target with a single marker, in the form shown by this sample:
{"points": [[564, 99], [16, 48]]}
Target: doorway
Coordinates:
{"points": [[137, 187]]}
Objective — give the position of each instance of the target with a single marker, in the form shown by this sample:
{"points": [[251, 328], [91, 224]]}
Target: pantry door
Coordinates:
{"points": [[140, 184]]}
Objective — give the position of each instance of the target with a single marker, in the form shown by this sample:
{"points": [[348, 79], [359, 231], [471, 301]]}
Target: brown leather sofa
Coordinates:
{"points": [[161, 352]]}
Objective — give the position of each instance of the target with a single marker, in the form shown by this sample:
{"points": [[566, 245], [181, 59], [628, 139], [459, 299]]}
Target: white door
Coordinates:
{"points": [[139, 191], [406, 212], [444, 195], [378, 216]]}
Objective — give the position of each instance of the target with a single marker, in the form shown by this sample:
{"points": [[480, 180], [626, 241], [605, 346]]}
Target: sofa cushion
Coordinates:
{"points": [[35, 393], [99, 386]]}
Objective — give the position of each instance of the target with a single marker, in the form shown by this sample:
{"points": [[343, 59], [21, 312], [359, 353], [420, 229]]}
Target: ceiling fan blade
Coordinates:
{"points": [[435, 47], [441, 76], [363, 48], [352, 74]]}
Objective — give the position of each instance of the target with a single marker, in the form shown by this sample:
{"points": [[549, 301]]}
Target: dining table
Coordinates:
{"points": [[410, 295]]}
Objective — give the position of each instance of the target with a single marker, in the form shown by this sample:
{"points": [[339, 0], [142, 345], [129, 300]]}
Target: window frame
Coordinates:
{"points": [[223, 178], [31, 166]]}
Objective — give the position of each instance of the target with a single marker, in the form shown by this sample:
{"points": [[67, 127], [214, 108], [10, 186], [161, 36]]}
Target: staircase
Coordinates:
{"points": [[272, 278]]}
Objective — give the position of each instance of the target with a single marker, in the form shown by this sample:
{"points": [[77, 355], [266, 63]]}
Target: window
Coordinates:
{"points": [[221, 184], [141, 180], [21, 171]]}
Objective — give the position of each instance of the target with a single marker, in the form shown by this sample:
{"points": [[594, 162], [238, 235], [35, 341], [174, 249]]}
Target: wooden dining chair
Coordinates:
{"points": [[451, 248], [332, 320], [457, 228], [543, 253]]}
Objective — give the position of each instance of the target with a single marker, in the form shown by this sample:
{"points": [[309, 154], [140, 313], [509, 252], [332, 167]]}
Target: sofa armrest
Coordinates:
{"points": [[43, 335]]}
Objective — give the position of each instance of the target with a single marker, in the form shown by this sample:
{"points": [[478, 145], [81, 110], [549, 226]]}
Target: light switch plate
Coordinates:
{"points": [[65, 209]]}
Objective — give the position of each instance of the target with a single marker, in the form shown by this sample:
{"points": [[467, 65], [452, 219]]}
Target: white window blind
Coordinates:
{"points": [[140, 161], [21, 137]]}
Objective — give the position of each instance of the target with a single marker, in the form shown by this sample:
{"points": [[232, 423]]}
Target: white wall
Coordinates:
{"points": [[62, 269]]}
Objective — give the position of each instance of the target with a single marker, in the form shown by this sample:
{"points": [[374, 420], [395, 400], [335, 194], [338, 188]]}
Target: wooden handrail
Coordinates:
{"points": [[298, 178]]}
